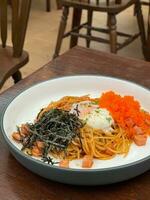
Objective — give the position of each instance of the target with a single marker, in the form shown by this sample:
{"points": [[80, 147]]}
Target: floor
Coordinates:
{"points": [[43, 28]]}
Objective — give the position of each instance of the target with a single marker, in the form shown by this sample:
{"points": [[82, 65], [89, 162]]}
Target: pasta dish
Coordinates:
{"points": [[85, 128]]}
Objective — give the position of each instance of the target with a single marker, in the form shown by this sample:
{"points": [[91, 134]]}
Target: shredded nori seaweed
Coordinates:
{"points": [[56, 128]]}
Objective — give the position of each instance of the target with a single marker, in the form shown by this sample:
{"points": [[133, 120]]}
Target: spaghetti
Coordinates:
{"points": [[97, 144]]}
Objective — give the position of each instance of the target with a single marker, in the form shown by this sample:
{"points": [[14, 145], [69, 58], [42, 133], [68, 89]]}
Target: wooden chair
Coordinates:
{"points": [[147, 45], [48, 5], [112, 8], [13, 58], [143, 3]]}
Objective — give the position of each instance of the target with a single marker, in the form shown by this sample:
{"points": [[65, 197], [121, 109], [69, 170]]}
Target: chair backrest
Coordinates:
{"points": [[148, 28], [107, 1], [98, 2], [19, 17], [103, 4]]}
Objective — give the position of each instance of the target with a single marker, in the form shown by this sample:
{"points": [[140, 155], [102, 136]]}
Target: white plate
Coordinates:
{"points": [[24, 108]]}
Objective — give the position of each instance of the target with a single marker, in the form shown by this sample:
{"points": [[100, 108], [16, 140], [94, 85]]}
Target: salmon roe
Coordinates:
{"points": [[127, 112]]}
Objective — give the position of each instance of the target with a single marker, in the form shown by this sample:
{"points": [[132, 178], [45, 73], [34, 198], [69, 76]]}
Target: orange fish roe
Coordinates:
{"points": [[127, 112]]}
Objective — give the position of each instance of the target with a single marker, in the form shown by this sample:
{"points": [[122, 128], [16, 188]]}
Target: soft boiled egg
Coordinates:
{"points": [[100, 119], [94, 116]]}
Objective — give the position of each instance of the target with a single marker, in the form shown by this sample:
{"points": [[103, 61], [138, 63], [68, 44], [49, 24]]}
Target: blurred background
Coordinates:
{"points": [[43, 28]]}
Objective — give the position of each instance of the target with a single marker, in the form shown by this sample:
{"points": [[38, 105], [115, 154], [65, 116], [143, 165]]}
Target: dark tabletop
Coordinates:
{"points": [[17, 183]]}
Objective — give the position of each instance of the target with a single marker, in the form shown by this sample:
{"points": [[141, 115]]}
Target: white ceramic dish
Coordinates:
{"points": [[26, 105]]}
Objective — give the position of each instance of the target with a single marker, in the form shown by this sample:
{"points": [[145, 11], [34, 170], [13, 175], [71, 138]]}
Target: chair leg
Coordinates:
{"points": [[58, 2], [61, 31], [17, 76], [140, 22], [134, 10], [107, 23], [89, 21], [48, 5], [76, 20], [113, 33]]}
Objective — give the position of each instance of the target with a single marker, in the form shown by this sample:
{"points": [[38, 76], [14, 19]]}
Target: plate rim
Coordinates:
{"points": [[9, 143]]}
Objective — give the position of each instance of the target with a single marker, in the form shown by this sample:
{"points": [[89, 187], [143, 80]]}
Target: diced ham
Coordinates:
{"points": [[64, 163], [140, 140], [16, 136], [36, 151], [87, 161], [138, 130], [24, 130], [40, 144]]}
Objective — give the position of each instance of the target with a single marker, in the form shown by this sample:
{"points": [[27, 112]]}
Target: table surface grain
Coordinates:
{"points": [[17, 183]]}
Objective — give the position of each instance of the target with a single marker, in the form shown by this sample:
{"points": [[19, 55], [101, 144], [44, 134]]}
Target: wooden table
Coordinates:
{"points": [[17, 183]]}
